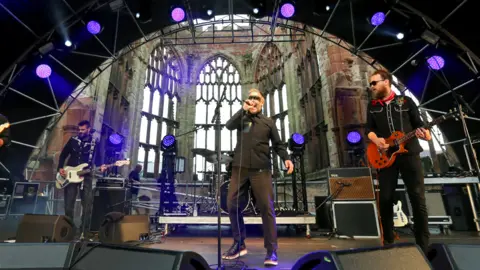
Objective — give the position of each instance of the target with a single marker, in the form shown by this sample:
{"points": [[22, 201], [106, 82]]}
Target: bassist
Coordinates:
{"points": [[80, 149], [387, 113]]}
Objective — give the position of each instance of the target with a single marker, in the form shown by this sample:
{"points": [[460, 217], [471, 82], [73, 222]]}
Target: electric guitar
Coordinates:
{"points": [[76, 174], [380, 159], [4, 126], [399, 218]]}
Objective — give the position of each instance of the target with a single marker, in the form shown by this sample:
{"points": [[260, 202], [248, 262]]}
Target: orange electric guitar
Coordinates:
{"points": [[380, 159]]}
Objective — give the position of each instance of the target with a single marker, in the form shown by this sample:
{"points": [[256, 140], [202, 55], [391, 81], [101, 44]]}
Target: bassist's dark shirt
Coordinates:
{"points": [[254, 133], [383, 120], [79, 152]]}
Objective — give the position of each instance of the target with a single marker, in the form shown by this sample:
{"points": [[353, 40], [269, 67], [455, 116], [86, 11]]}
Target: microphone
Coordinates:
{"points": [[344, 184]]}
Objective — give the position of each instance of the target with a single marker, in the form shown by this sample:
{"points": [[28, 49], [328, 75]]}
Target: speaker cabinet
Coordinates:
{"points": [[356, 219], [118, 228], [350, 184], [108, 200], [394, 257], [323, 213], [37, 255], [101, 257], [45, 228], [454, 256]]}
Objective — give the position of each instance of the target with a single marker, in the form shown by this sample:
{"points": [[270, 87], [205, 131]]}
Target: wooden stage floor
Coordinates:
{"points": [[291, 247]]}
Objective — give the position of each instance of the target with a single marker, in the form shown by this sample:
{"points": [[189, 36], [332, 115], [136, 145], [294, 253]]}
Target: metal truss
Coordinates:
{"points": [[299, 186], [234, 30]]}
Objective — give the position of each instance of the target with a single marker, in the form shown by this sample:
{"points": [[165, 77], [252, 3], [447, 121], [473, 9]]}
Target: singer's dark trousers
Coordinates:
{"points": [[410, 167], [86, 195], [260, 182]]}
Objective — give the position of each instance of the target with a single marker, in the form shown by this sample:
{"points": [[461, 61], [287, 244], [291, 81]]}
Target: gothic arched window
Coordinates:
{"points": [[160, 97], [270, 78], [217, 75]]}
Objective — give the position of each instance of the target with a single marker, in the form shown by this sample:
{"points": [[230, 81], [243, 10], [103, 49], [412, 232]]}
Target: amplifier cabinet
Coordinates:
{"points": [[350, 184], [356, 219], [106, 200]]}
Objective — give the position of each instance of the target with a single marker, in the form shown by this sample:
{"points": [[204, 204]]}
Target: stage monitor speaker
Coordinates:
{"points": [[454, 256], [37, 255], [118, 228], [101, 257], [394, 257], [351, 184], [323, 213], [108, 200], [45, 228], [356, 219]]}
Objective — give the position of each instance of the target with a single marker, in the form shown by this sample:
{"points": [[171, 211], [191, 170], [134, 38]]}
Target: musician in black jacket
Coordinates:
{"points": [[251, 166], [80, 149], [387, 113]]}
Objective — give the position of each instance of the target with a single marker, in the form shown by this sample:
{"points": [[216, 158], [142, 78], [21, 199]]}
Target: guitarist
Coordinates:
{"points": [[5, 134], [385, 114], [80, 149]]}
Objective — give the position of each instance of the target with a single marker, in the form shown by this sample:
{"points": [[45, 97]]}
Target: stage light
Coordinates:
{"points": [[209, 12], [287, 10], [178, 14], [400, 36], [68, 43], [43, 71], [255, 11], [327, 8], [115, 139], [354, 137], [296, 143], [94, 27], [378, 18], [169, 143], [436, 62], [137, 15]]}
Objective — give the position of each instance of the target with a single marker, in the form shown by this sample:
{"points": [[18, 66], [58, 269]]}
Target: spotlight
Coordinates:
{"points": [[209, 12], [43, 71], [94, 27], [68, 43], [287, 10], [178, 14], [137, 15], [115, 139], [327, 8], [354, 137], [255, 11], [436, 62], [400, 36], [169, 143], [296, 143], [378, 18]]}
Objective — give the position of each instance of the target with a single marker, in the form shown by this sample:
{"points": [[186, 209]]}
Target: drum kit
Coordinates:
{"points": [[210, 204]]}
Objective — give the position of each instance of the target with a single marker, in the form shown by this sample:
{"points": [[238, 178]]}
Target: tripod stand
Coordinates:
{"points": [[217, 126]]}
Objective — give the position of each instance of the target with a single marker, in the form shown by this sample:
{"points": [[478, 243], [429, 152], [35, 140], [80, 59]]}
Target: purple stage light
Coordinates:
{"points": [[298, 138], [354, 137], [287, 10], [43, 71], [115, 139], [178, 14], [168, 141], [436, 62], [378, 18], [93, 27]]}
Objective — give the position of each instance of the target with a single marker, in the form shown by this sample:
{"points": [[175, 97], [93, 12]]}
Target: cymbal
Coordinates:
{"points": [[223, 159], [211, 156], [203, 152]]}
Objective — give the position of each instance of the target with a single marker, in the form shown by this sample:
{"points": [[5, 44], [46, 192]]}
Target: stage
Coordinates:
{"points": [[292, 245]]}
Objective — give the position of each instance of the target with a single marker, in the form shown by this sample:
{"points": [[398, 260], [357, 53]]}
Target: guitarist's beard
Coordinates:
{"points": [[380, 93]]}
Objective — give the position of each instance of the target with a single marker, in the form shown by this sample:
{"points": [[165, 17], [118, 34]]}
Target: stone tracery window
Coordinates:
{"points": [[216, 75], [160, 97]]}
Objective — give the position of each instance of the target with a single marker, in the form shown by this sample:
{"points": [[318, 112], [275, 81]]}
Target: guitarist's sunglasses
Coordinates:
{"points": [[373, 83], [257, 98]]}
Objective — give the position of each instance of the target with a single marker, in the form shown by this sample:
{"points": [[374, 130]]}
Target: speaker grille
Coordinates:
{"points": [[356, 188]]}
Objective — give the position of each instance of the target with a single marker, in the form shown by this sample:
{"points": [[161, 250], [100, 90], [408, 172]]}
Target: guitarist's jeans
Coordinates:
{"points": [[86, 195], [410, 166]]}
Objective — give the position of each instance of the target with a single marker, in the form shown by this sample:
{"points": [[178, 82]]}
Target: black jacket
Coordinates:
{"points": [[383, 120], [5, 135], [79, 152], [253, 135]]}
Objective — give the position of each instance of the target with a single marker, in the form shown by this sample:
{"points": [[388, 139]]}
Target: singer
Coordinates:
{"points": [[251, 166]]}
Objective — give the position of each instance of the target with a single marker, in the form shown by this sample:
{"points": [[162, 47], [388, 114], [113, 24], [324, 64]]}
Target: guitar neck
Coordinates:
{"points": [[411, 134]]}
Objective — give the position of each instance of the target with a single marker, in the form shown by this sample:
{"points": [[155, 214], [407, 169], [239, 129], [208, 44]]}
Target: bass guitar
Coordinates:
{"points": [[399, 217], [380, 159], [76, 174], [4, 126]]}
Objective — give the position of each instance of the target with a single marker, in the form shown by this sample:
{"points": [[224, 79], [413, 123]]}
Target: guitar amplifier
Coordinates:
{"points": [[108, 200], [350, 184], [356, 219]]}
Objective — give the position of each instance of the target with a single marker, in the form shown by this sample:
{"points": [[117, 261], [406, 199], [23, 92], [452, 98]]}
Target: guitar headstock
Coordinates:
{"points": [[455, 114], [122, 162], [4, 126]]}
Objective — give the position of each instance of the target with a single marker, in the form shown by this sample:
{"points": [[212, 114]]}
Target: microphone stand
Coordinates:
{"points": [[459, 101], [217, 125]]}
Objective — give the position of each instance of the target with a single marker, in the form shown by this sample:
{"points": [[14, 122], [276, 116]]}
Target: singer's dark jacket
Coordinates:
{"points": [[79, 152], [383, 120], [253, 135]]}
